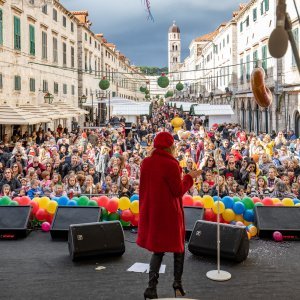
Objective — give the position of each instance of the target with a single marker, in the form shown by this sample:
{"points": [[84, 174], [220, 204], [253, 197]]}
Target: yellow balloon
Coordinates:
{"points": [[124, 203], [43, 202], [197, 198], [288, 202], [239, 218], [276, 200], [253, 230], [221, 207], [249, 235], [51, 207], [228, 215], [298, 204], [134, 206], [208, 201], [36, 199]]}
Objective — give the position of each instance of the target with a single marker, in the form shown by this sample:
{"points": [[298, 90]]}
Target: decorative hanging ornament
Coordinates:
{"points": [[179, 86], [143, 89], [170, 94], [104, 84], [163, 81]]}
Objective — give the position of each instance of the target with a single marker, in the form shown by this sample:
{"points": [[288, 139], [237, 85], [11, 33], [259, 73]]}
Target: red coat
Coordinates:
{"points": [[161, 219]]}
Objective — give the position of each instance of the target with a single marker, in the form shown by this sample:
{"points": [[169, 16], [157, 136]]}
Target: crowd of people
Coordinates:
{"points": [[107, 160]]}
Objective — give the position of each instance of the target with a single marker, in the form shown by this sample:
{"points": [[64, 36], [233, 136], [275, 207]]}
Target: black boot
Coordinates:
{"points": [[151, 292], [178, 270]]}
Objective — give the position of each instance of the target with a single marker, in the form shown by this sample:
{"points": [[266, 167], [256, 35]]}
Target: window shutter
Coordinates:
{"points": [[1, 27]]}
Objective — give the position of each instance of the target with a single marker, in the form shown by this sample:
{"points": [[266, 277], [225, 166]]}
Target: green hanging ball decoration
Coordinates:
{"points": [[179, 86], [169, 94], [104, 84], [163, 81], [143, 89]]}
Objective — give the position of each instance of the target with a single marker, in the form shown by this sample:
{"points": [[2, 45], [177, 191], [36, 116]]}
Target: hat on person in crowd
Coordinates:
{"points": [[163, 140]]}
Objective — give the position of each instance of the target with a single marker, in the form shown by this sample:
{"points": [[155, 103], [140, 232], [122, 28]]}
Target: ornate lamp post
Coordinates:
{"points": [[48, 98]]}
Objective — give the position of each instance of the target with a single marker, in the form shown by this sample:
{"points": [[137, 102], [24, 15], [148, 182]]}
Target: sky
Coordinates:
{"points": [[125, 24]]}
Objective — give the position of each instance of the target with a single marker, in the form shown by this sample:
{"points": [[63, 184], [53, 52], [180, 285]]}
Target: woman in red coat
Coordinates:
{"points": [[161, 221]]}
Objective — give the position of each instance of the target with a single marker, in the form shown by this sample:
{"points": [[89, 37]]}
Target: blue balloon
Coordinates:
{"points": [[63, 200], [134, 197], [238, 207], [296, 201], [216, 198], [71, 203], [233, 222], [55, 199], [228, 202], [249, 215]]}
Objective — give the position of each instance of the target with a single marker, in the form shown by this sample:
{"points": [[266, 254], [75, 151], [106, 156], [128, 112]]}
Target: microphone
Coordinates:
{"points": [[279, 39]]}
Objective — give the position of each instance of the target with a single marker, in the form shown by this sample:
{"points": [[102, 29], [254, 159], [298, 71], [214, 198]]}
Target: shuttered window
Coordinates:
{"points": [[17, 33], [32, 40]]}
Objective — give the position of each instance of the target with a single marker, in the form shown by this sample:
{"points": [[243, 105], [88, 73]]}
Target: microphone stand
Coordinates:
{"points": [[218, 275]]}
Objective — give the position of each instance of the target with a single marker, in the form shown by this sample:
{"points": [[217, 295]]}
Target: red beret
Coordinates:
{"points": [[163, 140]]}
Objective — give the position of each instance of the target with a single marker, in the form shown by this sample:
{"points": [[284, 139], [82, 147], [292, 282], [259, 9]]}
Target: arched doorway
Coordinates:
{"points": [[297, 123]]}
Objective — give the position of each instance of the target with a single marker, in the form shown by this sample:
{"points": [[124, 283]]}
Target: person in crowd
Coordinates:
{"points": [[35, 190]]}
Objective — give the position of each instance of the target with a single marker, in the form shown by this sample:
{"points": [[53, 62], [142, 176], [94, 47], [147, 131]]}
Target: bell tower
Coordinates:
{"points": [[174, 47]]}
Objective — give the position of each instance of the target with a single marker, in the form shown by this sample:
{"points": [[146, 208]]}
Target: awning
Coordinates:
{"points": [[213, 110], [40, 111], [136, 109], [13, 115], [66, 107]]}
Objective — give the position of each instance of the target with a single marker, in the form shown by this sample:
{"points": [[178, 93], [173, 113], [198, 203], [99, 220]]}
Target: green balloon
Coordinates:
{"points": [[258, 204], [5, 200], [236, 198], [13, 203], [125, 224], [104, 214], [83, 201], [113, 217], [75, 199], [92, 203], [248, 202]]}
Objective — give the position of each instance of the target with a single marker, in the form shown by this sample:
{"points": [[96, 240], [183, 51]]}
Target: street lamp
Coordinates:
{"points": [[82, 99], [48, 98]]}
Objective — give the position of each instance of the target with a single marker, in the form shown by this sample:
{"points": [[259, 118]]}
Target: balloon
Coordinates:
{"points": [[228, 202], [134, 197], [41, 214], [267, 201], [248, 203], [208, 214], [239, 218], [72, 203], [279, 204], [104, 214], [83, 201], [246, 223], [239, 223], [238, 207], [276, 200], [208, 201], [277, 236], [258, 204], [112, 205], [43, 202], [102, 201], [228, 215], [249, 235], [24, 200], [249, 215], [221, 208], [288, 202], [92, 203], [296, 201], [216, 198], [13, 203], [236, 198], [124, 203], [256, 200], [46, 226], [297, 204], [51, 207], [5, 200], [127, 215], [187, 200], [198, 203], [74, 199], [63, 200], [197, 198], [134, 207], [113, 217], [17, 199], [35, 206], [253, 230], [124, 224], [135, 220]]}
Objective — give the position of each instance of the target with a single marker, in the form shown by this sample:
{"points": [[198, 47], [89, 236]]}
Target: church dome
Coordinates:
{"points": [[174, 28]]}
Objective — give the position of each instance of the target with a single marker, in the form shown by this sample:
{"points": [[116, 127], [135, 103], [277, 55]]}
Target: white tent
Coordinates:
{"points": [[130, 110]]}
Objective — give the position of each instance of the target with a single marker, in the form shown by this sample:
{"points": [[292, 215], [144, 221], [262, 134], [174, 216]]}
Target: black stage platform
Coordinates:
{"points": [[38, 268]]}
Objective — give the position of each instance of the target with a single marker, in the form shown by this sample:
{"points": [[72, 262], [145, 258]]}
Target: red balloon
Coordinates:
{"points": [[112, 205], [35, 206], [135, 220], [209, 214], [24, 200], [102, 201], [17, 199], [41, 214], [127, 215], [256, 199], [267, 201], [198, 203], [187, 200], [278, 204], [49, 217]]}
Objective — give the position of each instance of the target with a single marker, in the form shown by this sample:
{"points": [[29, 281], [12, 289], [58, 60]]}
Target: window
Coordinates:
{"points": [[223, 43], [55, 56], [72, 57], [90, 40], [247, 21], [32, 84], [73, 89], [85, 36], [95, 44], [44, 45], [44, 9], [31, 40], [72, 26], [264, 58], [264, 6], [255, 59], [45, 86], [1, 82], [296, 37], [64, 54], [54, 14], [227, 38], [241, 71], [254, 14], [248, 68], [241, 27], [17, 33], [17, 83], [64, 21], [55, 89], [1, 27], [65, 89]]}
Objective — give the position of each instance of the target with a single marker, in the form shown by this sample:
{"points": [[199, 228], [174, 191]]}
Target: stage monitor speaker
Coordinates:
{"points": [[285, 219], [14, 221], [96, 239], [191, 215], [68, 215], [234, 241]]}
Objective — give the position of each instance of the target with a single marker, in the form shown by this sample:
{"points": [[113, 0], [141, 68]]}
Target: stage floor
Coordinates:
{"points": [[39, 268]]}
